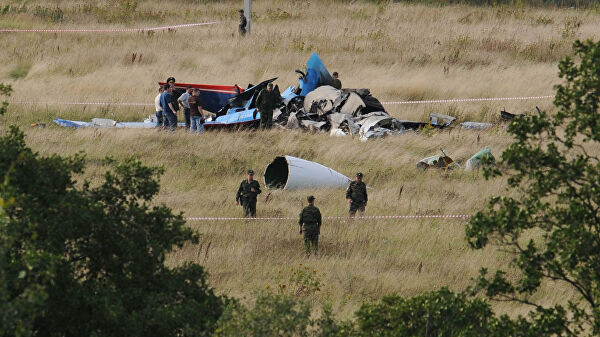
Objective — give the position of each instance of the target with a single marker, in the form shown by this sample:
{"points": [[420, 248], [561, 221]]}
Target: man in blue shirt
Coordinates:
{"points": [[168, 110]]}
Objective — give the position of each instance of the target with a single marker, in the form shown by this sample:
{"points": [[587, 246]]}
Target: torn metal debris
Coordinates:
{"points": [[313, 105], [476, 125], [439, 161], [484, 156]]}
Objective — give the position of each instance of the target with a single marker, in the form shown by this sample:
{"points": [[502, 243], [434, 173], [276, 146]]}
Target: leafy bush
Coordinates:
{"points": [[81, 260], [551, 224], [272, 315], [5, 90], [300, 282], [439, 313]]}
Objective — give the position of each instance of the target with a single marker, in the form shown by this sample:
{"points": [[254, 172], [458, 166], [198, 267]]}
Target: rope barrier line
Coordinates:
{"points": [[459, 100], [454, 100], [367, 217], [85, 103], [116, 30]]}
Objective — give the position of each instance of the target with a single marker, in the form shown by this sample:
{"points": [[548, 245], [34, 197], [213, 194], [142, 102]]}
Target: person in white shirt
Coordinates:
{"points": [[183, 102], [159, 109]]}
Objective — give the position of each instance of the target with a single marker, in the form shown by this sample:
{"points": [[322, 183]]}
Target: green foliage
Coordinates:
{"points": [[5, 90], [81, 260], [300, 282], [11, 9], [272, 315], [552, 226], [20, 71], [49, 14], [438, 313]]}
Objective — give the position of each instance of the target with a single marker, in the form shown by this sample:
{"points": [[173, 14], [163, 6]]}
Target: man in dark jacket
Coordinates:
{"points": [[169, 116], [243, 23], [266, 101], [246, 195], [336, 81], [174, 95], [356, 194], [310, 217], [196, 113]]}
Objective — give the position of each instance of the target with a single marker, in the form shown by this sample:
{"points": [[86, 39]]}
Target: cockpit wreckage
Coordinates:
{"points": [[314, 105]]}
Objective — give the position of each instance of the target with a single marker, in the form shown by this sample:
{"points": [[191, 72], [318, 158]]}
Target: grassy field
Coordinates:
{"points": [[398, 51]]}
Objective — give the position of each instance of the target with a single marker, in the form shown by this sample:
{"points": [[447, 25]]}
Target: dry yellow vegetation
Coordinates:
{"points": [[398, 51]]}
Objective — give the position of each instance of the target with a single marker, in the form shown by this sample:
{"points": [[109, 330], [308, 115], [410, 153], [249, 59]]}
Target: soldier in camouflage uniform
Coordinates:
{"points": [[243, 23], [356, 194], [266, 101], [246, 195], [310, 217]]}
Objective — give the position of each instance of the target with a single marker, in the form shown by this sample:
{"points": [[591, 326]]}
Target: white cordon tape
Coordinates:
{"points": [[85, 103], [462, 100], [450, 216], [118, 30]]}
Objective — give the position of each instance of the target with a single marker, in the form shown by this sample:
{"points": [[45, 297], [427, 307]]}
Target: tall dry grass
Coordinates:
{"points": [[398, 51], [360, 260]]}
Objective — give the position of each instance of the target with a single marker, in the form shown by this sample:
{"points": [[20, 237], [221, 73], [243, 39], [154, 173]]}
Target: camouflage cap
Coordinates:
{"points": [[359, 175], [310, 198], [251, 172]]}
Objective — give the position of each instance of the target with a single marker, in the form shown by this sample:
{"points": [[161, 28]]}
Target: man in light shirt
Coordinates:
{"points": [[183, 102], [159, 109]]}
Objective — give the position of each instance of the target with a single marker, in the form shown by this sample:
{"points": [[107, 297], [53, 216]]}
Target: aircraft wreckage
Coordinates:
{"points": [[313, 105], [290, 173]]}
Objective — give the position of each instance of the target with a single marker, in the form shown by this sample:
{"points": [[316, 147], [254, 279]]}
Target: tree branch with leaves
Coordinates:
{"points": [[553, 222]]}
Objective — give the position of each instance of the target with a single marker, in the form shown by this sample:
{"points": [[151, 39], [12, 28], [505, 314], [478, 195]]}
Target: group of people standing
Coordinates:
{"points": [[310, 218], [167, 107]]}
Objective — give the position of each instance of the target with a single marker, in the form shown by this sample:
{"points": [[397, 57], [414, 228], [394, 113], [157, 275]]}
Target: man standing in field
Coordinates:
{"points": [[196, 113], [356, 194], [168, 110], [159, 109], [266, 101], [183, 102], [174, 95], [336, 81], [246, 194], [243, 23], [310, 217]]}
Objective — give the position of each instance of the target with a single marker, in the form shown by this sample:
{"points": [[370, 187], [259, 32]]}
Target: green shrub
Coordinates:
{"points": [[77, 260], [272, 315], [49, 14], [20, 71]]}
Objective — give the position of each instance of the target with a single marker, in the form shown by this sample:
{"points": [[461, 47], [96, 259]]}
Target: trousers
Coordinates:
{"points": [[311, 241], [249, 208]]}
